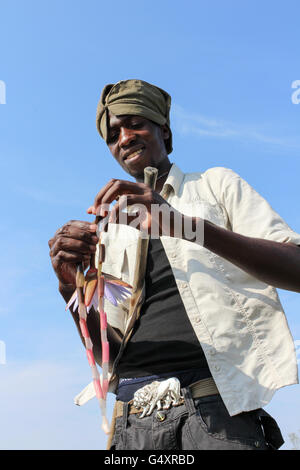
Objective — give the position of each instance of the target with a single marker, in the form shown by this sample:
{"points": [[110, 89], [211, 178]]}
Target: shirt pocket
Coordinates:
{"points": [[225, 432], [120, 252], [198, 207], [113, 261]]}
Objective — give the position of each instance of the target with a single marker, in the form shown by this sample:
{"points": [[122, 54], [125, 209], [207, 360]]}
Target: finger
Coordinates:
{"points": [[80, 224], [86, 237], [91, 210], [88, 233], [118, 188], [100, 194], [76, 229], [114, 213], [138, 212], [118, 217], [70, 258], [72, 245], [119, 207]]}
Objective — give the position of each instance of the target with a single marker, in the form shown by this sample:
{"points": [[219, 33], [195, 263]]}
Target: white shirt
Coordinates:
{"points": [[238, 320]]}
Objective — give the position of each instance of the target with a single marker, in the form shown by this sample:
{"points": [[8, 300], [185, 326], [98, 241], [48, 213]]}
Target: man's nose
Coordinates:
{"points": [[127, 136]]}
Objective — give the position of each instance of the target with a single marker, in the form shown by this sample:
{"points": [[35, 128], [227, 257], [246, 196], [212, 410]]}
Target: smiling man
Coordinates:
{"points": [[210, 342], [143, 147]]}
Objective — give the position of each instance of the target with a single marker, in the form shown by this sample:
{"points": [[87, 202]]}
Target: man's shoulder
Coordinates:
{"points": [[213, 173]]}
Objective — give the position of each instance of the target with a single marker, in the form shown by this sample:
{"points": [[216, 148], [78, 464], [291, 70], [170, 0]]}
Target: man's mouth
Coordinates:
{"points": [[135, 153]]}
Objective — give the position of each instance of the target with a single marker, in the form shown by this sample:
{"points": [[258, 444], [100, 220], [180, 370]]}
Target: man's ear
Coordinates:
{"points": [[165, 132]]}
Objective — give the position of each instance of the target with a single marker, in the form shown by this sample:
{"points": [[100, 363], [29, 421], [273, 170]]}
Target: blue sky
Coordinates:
{"points": [[229, 67]]}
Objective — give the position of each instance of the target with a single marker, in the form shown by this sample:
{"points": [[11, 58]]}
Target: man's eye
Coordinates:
{"points": [[112, 137], [137, 125]]}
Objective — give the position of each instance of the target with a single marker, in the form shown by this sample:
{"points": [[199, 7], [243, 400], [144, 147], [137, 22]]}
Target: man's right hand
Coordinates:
{"points": [[71, 244]]}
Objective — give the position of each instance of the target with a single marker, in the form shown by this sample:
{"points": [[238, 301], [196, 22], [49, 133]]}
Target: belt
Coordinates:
{"points": [[201, 388]]}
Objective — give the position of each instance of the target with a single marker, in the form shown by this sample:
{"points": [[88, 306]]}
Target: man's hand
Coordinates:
{"points": [[73, 243], [155, 215]]}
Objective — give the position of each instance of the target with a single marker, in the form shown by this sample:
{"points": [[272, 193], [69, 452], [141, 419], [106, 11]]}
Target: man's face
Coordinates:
{"points": [[135, 142]]}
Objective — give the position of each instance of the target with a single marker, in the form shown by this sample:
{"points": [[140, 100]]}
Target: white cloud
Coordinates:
{"points": [[187, 123], [37, 409]]}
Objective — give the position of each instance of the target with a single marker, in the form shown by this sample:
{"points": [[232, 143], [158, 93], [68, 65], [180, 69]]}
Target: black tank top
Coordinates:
{"points": [[163, 339]]}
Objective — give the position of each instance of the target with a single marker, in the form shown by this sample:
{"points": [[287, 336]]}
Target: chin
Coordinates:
{"points": [[138, 175]]}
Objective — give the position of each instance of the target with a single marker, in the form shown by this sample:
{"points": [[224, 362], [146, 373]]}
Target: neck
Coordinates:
{"points": [[163, 170]]}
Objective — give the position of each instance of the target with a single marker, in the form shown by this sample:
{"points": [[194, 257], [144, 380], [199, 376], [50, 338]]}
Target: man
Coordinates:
{"points": [[209, 314]]}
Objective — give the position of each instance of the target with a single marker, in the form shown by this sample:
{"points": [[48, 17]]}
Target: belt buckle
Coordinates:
{"points": [[160, 394]]}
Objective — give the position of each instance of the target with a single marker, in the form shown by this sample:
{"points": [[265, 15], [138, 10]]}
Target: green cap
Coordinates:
{"points": [[137, 98]]}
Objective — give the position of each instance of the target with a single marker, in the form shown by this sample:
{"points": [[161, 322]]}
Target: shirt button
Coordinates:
{"points": [[184, 285], [197, 320], [212, 352], [217, 368]]}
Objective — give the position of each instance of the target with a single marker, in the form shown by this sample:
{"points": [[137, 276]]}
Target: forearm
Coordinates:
{"points": [[276, 264], [66, 291]]}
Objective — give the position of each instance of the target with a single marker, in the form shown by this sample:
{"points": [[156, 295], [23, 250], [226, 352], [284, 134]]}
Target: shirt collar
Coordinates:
{"points": [[175, 178]]}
